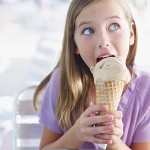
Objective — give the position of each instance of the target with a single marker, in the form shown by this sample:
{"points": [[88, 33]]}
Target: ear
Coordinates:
{"points": [[132, 34]]}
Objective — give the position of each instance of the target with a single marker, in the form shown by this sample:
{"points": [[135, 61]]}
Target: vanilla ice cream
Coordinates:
{"points": [[110, 68]]}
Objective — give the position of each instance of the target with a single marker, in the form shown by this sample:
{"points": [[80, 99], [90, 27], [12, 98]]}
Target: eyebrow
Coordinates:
{"points": [[88, 22], [115, 16], [84, 23]]}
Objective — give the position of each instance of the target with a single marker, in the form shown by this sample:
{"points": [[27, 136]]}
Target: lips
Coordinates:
{"points": [[102, 57]]}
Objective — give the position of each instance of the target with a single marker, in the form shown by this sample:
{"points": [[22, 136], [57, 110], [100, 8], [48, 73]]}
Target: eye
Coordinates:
{"points": [[114, 26], [88, 31]]}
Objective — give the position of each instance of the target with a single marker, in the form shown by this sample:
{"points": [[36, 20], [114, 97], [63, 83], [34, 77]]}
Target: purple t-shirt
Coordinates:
{"points": [[135, 105]]}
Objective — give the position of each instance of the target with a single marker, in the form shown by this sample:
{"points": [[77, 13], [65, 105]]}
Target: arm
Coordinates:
{"points": [[81, 131], [48, 137], [140, 146], [134, 146], [51, 139], [119, 146]]}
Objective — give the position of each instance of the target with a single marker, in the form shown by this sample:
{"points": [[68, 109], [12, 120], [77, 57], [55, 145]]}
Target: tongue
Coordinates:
{"points": [[99, 59]]}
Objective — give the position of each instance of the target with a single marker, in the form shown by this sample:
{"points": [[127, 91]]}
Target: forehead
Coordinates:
{"points": [[102, 8]]}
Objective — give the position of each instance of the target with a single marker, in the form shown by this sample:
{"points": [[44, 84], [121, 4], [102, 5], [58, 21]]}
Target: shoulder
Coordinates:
{"points": [[47, 111], [50, 94], [142, 81], [53, 81], [51, 91], [142, 90], [55, 76], [138, 93]]}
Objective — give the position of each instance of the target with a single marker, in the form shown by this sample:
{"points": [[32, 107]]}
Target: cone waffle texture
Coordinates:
{"points": [[109, 93]]}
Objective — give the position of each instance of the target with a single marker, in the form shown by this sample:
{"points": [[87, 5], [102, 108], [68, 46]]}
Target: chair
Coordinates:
{"points": [[27, 130], [6, 139]]}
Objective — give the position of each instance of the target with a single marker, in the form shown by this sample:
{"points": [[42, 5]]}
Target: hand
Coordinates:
{"points": [[118, 125], [84, 130], [117, 128]]}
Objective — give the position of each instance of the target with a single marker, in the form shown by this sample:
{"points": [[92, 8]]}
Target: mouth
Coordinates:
{"points": [[102, 57]]}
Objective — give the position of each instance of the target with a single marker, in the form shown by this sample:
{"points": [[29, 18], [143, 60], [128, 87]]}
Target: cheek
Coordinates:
{"points": [[86, 54], [123, 48], [83, 48]]}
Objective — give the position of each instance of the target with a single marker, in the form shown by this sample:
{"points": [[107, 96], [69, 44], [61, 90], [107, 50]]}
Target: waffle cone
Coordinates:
{"points": [[109, 93]]}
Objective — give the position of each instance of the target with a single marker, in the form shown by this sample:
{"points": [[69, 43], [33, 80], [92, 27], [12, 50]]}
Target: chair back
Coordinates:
{"points": [[27, 130]]}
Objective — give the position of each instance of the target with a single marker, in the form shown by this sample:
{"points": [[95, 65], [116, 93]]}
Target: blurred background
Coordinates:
{"points": [[31, 33]]}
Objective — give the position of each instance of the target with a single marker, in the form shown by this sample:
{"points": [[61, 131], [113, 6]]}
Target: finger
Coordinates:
{"points": [[117, 114], [110, 134], [116, 132], [94, 109], [105, 136], [117, 123], [98, 130], [94, 114], [94, 139], [98, 120]]}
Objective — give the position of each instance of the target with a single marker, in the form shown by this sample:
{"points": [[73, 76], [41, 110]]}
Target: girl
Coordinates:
{"points": [[95, 28]]}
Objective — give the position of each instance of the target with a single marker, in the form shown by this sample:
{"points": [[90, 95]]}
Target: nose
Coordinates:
{"points": [[103, 41], [104, 45]]}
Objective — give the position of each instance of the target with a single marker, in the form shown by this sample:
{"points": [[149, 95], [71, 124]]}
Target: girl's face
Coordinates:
{"points": [[102, 29]]}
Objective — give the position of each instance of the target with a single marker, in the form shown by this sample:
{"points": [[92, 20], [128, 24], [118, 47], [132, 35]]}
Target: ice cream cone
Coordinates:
{"points": [[110, 76], [109, 93]]}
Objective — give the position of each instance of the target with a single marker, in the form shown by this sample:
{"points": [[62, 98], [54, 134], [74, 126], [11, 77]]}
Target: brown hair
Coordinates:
{"points": [[75, 76]]}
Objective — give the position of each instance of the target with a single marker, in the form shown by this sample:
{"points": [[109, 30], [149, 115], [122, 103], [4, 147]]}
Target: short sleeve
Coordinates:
{"points": [[47, 111]]}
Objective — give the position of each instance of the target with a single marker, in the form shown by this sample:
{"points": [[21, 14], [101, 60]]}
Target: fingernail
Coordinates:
{"points": [[104, 107], [110, 127], [109, 141], [110, 118]]}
